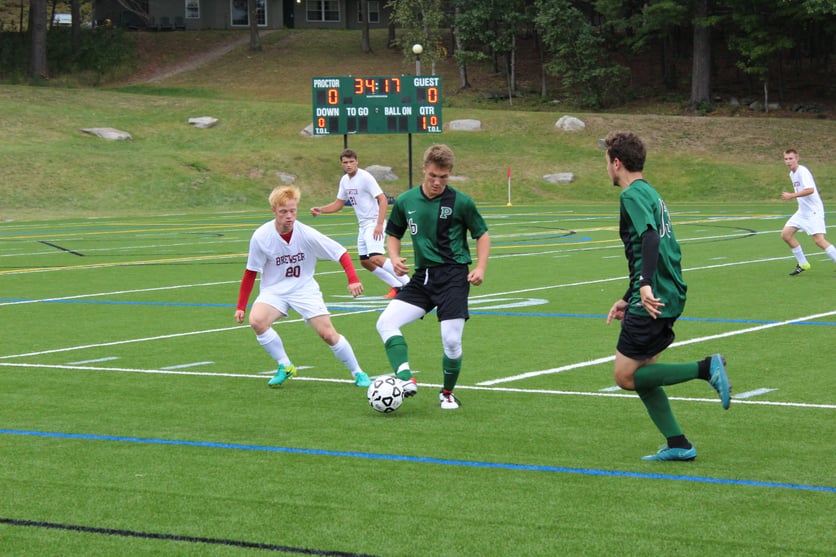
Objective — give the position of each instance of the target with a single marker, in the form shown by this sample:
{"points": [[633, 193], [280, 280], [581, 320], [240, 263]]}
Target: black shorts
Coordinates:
{"points": [[444, 288], [643, 337]]}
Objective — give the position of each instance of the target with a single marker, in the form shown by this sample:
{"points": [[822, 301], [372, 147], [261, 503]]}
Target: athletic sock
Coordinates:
{"points": [[704, 369], [451, 368], [658, 375], [345, 353], [798, 252], [398, 355], [387, 277], [831, 251], [272, 343], [679, 442], [659, 409]]}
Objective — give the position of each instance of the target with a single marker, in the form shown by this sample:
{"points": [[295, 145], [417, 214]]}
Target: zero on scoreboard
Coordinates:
{"points": [[381, 104]]}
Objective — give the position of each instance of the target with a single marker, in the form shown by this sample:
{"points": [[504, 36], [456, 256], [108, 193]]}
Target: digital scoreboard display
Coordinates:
{"points": [[382, 104]]}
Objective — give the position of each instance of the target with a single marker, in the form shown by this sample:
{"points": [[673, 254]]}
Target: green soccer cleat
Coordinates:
{"points": [[666, 454], [361, 379], [719, 380], [282, 374]]}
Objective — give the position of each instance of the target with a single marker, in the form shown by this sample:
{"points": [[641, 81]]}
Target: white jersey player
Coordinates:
{"points": [[285, 253], [361, 190], [810, 214]]}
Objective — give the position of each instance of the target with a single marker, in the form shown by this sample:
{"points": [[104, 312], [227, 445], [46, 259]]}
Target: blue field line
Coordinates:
{"points": [[421, 460]]}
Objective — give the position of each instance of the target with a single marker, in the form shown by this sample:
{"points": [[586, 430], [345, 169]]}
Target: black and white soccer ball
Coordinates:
{"points": [[385, 394]]}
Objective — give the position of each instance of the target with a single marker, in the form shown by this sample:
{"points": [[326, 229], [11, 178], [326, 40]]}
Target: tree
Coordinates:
{"points": [[255, 39], [421, 22], [639, 24], [580, 60], [759, 34], [701, 58], [37, 40], [495, 25], [366, 43]]}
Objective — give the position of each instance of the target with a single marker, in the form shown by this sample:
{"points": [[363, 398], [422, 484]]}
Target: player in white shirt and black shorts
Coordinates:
{"points": [[361, 189], [285, 253], [810, 214]]}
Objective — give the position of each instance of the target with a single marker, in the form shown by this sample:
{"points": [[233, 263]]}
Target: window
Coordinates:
{"points": [[374, 12], [240, 15], [193, 9], [323, 10]]}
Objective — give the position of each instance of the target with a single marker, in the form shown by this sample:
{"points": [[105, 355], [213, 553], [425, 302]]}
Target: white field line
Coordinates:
{"points": [[119, 292], [164, 337], [427, 385], [606, 359]]}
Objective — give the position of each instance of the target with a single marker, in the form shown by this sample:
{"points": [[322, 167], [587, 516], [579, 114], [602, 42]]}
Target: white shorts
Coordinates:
{"points": [[307, 302], [366, 243], [811, 223]]}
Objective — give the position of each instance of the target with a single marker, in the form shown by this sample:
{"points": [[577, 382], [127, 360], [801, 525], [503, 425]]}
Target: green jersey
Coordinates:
{"points": [[643, 208], [438, 226]]}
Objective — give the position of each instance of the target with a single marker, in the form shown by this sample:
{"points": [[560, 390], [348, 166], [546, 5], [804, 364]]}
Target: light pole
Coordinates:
{"points": [[417, 49]]}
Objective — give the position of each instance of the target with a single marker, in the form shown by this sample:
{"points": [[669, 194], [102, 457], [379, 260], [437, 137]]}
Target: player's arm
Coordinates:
{"points": [[393, 248], [332, 207], [483, 251], [786, 196], [247, 283], [617, 311], [383, 207], [355, 287], [650, 258]]}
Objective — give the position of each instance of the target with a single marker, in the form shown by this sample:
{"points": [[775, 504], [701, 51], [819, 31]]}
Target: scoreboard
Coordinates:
{"points": [[381, 104]]}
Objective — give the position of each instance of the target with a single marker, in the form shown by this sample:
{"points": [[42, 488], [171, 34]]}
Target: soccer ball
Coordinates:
{"points": [[385, 394]]}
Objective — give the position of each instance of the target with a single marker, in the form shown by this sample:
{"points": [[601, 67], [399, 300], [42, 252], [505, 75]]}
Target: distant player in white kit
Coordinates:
{"points": [[370, 205], [285, 252], [810, 214]]}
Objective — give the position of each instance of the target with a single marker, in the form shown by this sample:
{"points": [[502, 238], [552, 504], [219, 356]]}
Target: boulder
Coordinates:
{"points": [[111, 134], [204, 122], [570, 124], [381, 173], [560, 178], [465, 125]]}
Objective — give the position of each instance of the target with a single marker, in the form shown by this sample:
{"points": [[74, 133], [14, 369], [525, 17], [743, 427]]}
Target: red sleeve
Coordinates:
{"points": [[348, 266], [247, 283]]}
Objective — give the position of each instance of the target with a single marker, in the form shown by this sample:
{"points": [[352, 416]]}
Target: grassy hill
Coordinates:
{"points": [[263, 103]]}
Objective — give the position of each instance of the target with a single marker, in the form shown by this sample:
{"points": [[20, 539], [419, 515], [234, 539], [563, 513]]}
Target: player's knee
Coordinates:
{"points": [[624, 380], [385, 329], [259, 324], [451, 337], [328, 333]]}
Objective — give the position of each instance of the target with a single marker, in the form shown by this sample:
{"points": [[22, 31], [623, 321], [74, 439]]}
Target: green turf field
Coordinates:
{"points": [[135, 417]]}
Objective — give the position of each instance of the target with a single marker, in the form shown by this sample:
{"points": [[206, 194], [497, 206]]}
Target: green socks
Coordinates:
{"points": [[658, 375], [398, 356], [451, 370], [659, 408]]}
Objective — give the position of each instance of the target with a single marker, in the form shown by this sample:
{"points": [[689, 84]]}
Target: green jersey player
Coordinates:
{"points": [[438, 220], [654, 299]]}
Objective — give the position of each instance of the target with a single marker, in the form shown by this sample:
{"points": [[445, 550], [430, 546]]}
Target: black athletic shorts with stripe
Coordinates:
{"points": [[643, 337], [444, 288]]}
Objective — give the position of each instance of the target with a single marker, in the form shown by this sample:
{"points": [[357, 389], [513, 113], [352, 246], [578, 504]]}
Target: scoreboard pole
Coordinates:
{"points": [[410, 161]]}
